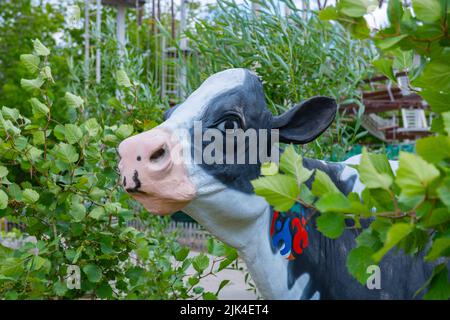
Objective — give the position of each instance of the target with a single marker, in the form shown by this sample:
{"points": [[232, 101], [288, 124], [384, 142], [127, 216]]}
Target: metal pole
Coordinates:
{"points": [[183, 46], [121, 9], [164, 67], [183, 41], [172, 13], [98, 61], [137, 23], [86, 42]]}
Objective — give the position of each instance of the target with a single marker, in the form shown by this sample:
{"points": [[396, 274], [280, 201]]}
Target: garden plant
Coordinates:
{"points": [[59, 131]]}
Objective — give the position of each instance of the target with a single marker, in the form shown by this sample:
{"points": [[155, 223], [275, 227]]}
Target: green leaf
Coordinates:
{"points": [[435, 74], [93, 273], [92, 127], [280, 191], [269, 169], [104, 291], [402, 59], [439, 248], [193, 281], [438, 216], [198, 290], [329, 13], [97, 213], [427, 10], [34, 153], [46, 73], [30, 196], [444, 192], [331, 224], [292, 163], [77, 210], [11, 113], [374, 171], [385, 67], [231, 255], [222, 284], [396, 233], [3, 199], [382, 226], [438, 286], [182, 253], [369, 238], [306, 195], [72, 133], [59, 132], [395, 11], [115, 103], [38, 138], [67, 153], [446, 120], [434, 148], [31, 62], [3, 172], [15, 192], [39, 48], [215, 247], [73, 100], [322, 184], [60, 288], [358, 260], [200, 262], [359, 29], [437, 100], [122, 79], [31, 84], [209, 296], [39, 109], [387, 43], [414, 174], [97, 193], [333, 202], [124, 131], [357, 8]]}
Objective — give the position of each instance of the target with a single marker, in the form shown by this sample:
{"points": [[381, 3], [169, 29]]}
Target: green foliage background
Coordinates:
{"points": [[59, 130]]}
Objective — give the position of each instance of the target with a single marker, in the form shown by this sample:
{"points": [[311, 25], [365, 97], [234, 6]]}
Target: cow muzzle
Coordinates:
{"points": [[153, 171]]}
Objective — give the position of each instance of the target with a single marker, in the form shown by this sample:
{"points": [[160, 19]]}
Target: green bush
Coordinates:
{"points": [[58, 180]]}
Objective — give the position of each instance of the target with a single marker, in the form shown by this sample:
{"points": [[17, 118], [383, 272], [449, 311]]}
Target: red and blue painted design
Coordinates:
{"points": [[290, 229]]}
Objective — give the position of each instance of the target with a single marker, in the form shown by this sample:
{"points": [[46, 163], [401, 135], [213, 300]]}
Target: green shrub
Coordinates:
{"points": [[58, 180]]}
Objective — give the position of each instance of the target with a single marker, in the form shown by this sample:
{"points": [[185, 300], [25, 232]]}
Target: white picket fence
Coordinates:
{"points": [[190, 234]]}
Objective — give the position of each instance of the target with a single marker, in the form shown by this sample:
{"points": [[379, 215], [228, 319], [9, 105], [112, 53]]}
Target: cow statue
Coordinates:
{"points": [[157, 170]]}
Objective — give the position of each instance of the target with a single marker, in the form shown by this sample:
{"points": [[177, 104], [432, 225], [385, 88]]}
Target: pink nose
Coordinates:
{"points": [[153, 172], [149, 151]]}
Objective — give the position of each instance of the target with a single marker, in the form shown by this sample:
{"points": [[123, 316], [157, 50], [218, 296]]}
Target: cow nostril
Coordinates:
{"points": [[158, 154]]}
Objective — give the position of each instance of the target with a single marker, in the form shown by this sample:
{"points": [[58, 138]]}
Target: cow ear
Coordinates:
{"points": [[305, 121], [169, 112]]}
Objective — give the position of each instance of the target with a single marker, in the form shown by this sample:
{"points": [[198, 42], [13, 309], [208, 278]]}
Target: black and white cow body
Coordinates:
{"points": [[221, 198]]}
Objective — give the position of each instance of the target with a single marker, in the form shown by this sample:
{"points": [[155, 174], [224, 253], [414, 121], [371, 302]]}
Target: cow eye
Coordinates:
{"points": [[229, 124]]}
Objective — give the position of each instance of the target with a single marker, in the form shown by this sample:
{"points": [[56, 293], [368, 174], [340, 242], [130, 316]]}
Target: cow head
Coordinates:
{"points": [[157, 166]]}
